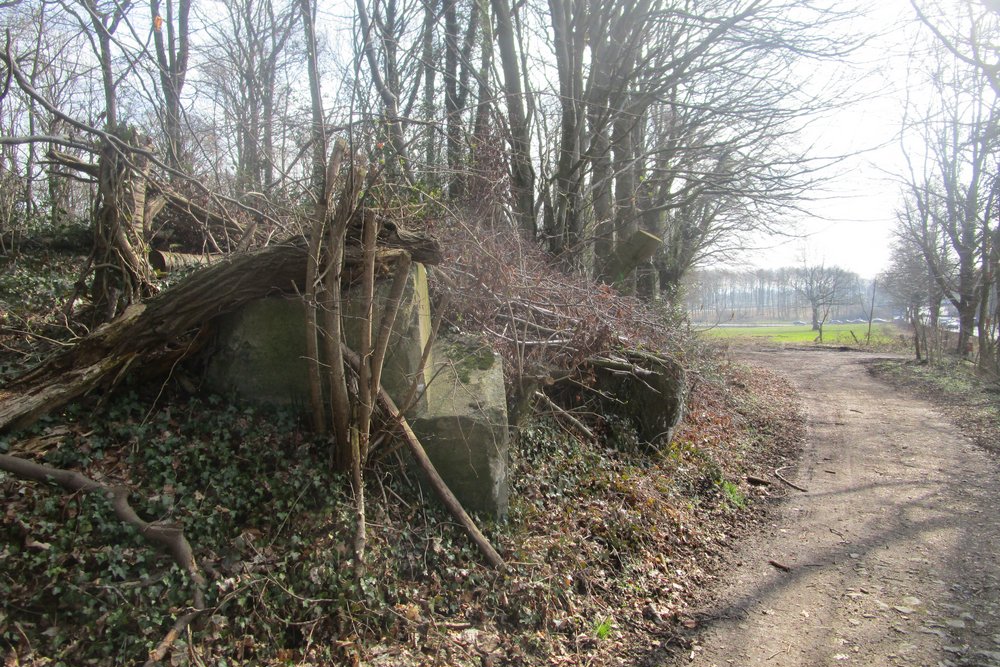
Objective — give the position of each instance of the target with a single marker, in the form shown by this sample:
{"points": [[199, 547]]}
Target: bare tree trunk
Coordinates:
{"points": [[388, 93], [430, 74], [522, 173], [121, 272], [625, 212], [314, 286], [172, 59], [452, 108]]}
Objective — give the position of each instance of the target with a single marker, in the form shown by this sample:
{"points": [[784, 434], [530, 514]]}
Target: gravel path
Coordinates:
{"points": [[893, 554]]}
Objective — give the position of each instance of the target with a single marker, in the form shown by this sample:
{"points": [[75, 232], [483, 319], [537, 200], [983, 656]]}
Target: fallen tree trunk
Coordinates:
{"points": [[165, 262], [164, 329], [154, 331]]}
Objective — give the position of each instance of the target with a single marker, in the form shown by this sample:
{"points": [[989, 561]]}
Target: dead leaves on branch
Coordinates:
{"points": [[541, 319]]}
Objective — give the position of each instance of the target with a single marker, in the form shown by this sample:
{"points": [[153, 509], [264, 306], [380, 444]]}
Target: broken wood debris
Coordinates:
{"points": [[777, 473]]}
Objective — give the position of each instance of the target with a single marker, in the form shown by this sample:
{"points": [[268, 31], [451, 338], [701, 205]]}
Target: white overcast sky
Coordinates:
{"points": [[854, 212]]}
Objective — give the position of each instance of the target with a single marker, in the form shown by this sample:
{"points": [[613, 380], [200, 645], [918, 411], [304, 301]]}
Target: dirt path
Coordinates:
{"points": [[894, 551]]}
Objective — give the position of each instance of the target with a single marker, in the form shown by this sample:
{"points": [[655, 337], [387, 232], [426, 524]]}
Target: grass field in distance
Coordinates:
{"points": [[833, 334]]}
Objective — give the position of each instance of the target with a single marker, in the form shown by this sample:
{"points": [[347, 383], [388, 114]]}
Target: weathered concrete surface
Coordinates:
{"points": [[460, 417], [260, 354], [464, 426]]}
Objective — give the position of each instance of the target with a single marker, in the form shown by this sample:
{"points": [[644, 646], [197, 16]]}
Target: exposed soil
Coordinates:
{"points": [[889, 558]]}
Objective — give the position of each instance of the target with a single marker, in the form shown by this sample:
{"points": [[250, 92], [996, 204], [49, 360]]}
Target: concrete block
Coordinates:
{"points": [[260, 351], [465, 428]]}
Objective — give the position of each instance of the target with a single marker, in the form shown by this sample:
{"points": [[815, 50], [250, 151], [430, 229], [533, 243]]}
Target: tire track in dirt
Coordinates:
{"points": [[894, 551]]}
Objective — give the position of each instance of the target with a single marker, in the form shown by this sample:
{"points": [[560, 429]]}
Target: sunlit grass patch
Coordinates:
{"points": [[833, 334]]}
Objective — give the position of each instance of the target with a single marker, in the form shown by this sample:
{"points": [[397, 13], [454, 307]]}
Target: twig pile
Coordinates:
{"points": [[545, 322]]}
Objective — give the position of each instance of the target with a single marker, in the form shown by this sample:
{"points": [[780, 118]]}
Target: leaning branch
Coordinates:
{"points": [[565, 414], [54, 139], [440, 487]]}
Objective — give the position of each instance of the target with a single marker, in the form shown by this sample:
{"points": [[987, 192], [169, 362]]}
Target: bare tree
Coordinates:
{"points": [[963, 143], [676, 122], [823, 287], [121, 273], [171, 37], [914, 289], [951, 189], [522, 173], [249, 58]]}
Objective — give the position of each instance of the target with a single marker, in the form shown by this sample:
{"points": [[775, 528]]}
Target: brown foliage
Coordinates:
{"points": [[545, 322]]}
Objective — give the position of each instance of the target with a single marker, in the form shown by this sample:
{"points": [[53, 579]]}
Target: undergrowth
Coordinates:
{"points": [[33, 292], [606, 540], [605, 545]]}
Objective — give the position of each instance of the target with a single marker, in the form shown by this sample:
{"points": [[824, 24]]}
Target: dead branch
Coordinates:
{"points": [[367, 386], [166, 537], [333, 282], [777, 473], [193, 210], [170, 198], [73, 162], [780, 566], [565, 414], [438, 484], [179, 626], [391, 310], [619, 365]]}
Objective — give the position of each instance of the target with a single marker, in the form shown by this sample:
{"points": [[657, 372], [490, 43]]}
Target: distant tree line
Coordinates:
{"points": [[813, 294]]}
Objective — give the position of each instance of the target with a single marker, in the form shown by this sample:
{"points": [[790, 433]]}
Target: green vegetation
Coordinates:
{"points": [[592, 530], [883, 334], [733, 494], [472, 355], [249, 490], [603, 629], [33, 294]]}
